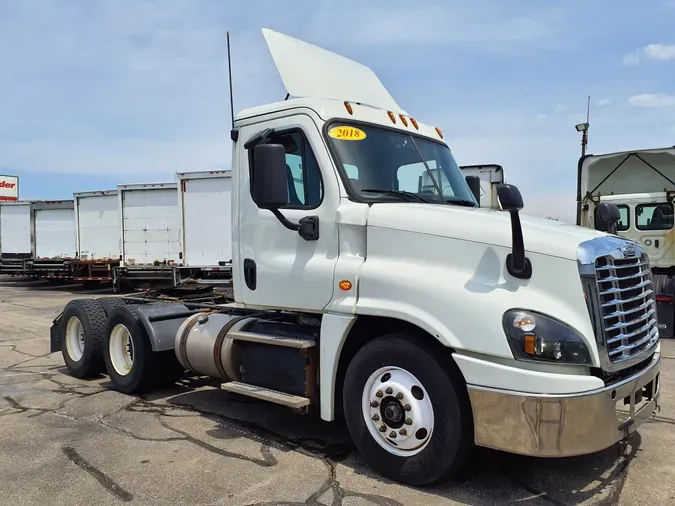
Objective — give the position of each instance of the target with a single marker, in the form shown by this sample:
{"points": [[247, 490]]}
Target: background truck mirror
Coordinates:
{"points": [[610, 214], [474, 186], [268, 176]]}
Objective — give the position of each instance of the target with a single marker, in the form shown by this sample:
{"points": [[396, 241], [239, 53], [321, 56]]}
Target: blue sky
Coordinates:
{"points": [[95, 93]]}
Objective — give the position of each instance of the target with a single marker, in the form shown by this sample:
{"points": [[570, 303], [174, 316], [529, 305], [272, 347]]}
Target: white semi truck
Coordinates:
{"points": [[429, 324], [641, 184]]}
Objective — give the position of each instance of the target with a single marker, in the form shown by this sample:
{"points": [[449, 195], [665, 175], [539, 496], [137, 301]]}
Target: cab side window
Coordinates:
{"points": [[303, 176], [654, 216]]}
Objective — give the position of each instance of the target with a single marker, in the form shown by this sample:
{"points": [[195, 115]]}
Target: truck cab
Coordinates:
{"points": [[369, 285], [642, 185]]}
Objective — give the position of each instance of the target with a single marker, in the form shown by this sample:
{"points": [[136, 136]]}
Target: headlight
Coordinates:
{"points": [[539, 338]]}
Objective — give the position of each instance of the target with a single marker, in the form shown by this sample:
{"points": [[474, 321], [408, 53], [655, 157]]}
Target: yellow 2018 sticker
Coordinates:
{"points": [[347, 133]]}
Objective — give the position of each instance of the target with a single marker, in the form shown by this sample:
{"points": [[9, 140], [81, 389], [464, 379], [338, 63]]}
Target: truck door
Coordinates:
{"points": [[654, 223], [277, 267]]}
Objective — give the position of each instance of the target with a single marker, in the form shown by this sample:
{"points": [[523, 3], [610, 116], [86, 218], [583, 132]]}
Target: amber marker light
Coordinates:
{"points": [[403, 120], [438, 131], [392, 116], [345, 285], [348, 106], [414, 123]]}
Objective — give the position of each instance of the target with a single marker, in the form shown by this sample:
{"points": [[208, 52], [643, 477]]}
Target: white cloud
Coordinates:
{"points": [[660, 52], [604, 102], [653, 100]]}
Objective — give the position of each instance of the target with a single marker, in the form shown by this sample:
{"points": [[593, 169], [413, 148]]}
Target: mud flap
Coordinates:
{"points": [[54, 341]]}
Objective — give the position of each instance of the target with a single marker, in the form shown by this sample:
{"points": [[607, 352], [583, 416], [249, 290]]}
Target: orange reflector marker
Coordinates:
{"points": [[438, 131], [348, 106], [345, 285], [403, 120], [392, 116], [529, 345], [414, 123]]}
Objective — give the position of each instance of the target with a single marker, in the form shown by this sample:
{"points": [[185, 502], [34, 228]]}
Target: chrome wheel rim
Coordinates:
{"points": [[397, 410], [121, 349]]}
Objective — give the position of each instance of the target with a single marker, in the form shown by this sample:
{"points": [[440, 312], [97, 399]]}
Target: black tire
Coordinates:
{"points": [[93, 320], [452, 437], [149, 369], [110, 303]]}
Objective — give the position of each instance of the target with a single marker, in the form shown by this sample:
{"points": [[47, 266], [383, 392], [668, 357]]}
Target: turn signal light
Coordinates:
{"points": [[345, 285]]}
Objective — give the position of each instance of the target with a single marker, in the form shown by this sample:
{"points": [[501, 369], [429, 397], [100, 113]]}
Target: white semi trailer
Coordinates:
{"points": [[429, 324], [98, 235], [205, 205], [16, 236], [54, 239], [150, 235]]}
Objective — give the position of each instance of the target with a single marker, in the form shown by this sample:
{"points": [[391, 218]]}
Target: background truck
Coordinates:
{"points": [[54, 239], [491, 176], [428, 324], [150, 235], [16, 236], [205, 206], [642, 184], [98, 236]]}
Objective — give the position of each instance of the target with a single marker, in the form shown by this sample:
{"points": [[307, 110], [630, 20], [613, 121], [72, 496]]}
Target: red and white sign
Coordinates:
{"points": [[9, 187]]}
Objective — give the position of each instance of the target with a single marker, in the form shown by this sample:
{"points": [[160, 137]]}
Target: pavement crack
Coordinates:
{"points": [[104, 480]]}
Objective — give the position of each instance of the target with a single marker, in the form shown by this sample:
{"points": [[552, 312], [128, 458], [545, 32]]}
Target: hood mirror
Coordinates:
{"points": [[510, 199]]}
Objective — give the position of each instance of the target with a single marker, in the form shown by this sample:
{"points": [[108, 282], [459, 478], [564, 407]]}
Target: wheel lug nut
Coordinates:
{"points": [[392, 434], [399, 396], [376, 418], [374, 404], [389, 390], [407, 407], [403, 432], [383, 428], [408, 421], [378, 393]]}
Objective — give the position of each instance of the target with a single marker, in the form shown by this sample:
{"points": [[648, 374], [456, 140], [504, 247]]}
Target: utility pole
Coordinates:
{"points": [[583, 128]]}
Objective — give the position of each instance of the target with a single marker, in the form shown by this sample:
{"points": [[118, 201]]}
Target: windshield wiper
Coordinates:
{"points": [[461, 202], [401, 193]]}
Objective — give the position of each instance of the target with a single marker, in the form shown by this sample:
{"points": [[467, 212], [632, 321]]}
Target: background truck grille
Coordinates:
{"points": [[627, 307]]}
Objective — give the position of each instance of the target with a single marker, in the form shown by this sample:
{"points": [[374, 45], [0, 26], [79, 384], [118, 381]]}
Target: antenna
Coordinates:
{"points": [[229, 74]]}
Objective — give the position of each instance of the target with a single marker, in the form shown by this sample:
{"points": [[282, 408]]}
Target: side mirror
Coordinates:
{"points": [[509, 197], [474, 186], [610, 214], [268, 176], [517, 264]]}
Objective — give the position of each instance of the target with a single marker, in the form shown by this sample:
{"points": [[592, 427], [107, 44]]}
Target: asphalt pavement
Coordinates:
{"points": [[76, 442]]}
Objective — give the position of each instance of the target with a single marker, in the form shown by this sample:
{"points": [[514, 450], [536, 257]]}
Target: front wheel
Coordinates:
{"points": [[408, 413]]}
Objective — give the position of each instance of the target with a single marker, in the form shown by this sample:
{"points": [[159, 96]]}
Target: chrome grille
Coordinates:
{"points": [[627, 305]]}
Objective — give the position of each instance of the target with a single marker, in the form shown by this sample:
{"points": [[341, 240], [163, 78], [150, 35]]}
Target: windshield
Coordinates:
{"points": [[390, 165]]}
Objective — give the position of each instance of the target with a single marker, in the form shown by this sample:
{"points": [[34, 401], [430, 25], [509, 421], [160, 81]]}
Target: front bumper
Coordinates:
{"points": [[564, 425]]}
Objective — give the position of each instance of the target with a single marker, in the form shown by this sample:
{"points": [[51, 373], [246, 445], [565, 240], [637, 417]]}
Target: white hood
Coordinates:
{"points": [[540, 235]]}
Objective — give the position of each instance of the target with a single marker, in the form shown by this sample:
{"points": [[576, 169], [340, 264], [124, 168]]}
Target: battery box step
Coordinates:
{"points": [[266, 394], [288, 342]]}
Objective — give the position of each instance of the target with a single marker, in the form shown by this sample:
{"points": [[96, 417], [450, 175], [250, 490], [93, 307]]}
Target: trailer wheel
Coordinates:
{"points": [[110, 303], [408, 414], [81, 330], [131, 364]]}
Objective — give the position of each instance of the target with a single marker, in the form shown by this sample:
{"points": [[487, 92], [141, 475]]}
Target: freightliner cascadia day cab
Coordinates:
{"points": [[429, 324], [641, 184]]}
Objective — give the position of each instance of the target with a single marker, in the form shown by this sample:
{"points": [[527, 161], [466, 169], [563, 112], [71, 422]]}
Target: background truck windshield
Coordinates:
{"points": [[375, 158]]}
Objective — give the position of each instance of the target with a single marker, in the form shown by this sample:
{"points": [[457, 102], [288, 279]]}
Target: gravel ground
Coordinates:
{"points": [[68, 441]]}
